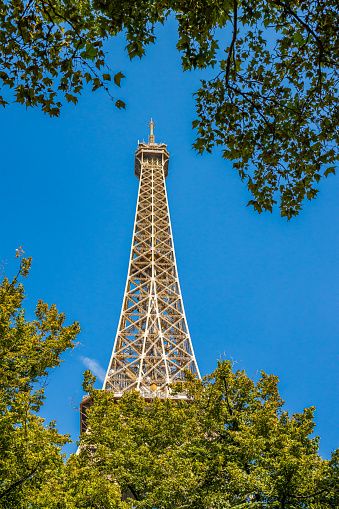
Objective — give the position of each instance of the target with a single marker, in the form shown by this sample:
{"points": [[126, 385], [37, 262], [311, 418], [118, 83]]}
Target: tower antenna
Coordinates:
{"points": [[151, 138]]}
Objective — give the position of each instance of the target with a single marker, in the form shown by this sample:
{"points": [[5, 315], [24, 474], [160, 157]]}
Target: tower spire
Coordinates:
{"points": [[151, 135], [152, 348]]}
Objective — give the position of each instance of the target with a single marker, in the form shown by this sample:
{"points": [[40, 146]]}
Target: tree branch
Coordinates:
{"points": [[20, 481], [309, 496], [305, 25], [134, 493], [229, 56], [227, 400]]}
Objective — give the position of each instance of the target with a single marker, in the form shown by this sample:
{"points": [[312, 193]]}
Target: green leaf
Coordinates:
{"points": [[266, 22], [298, 38], [91, 51], [118, 77], [329, 170], [120, 104], [71, 98], [237, 66]]}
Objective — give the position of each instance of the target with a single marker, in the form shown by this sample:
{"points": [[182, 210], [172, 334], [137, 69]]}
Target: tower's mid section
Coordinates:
{"points": [[152, 347]]}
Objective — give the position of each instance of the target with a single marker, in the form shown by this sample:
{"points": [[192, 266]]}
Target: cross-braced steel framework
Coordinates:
{"points": [[152, 347]]}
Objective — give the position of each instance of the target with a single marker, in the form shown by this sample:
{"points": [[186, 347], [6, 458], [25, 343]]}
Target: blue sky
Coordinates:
{"points": [[255, 287]]}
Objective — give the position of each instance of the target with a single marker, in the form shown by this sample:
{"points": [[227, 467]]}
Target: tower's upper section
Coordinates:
{"points": [[151, 151]]}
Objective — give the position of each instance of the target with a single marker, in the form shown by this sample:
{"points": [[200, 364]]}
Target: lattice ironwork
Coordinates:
{"points": [[153, 347]]}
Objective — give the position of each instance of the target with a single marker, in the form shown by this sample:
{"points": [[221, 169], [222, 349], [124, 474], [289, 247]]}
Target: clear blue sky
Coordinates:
{"points": [[255, 287]]}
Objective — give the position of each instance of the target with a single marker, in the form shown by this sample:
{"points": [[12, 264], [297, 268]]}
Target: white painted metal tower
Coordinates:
{"points": [[152, 348]]}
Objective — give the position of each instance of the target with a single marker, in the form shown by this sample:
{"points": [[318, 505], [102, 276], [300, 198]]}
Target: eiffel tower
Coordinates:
{"points": [[152, 348]]}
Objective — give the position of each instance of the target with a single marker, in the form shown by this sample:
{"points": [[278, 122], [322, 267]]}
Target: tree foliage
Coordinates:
{"points": [[272, 104], [30, 450], [230, 445], [77, 485], [48, 50]]}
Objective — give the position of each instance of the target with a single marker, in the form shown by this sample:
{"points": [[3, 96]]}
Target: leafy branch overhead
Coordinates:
{"points": [[272, 104], [48, 50]]}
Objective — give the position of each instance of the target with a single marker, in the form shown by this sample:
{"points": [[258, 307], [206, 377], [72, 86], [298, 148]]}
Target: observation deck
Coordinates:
{"points": [[151, 152]]}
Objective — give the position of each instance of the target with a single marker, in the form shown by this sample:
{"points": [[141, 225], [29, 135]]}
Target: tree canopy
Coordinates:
{"points": [[30, 450], [272, 104], [231, 444]]}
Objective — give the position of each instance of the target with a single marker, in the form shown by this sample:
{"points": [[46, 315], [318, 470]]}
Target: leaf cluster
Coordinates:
{"points": [[273, 107], [30, 451], [273, 104], [229, 444], [49, 49]]}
